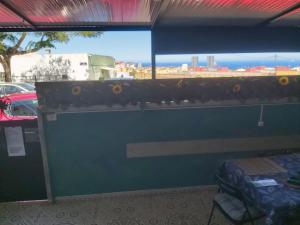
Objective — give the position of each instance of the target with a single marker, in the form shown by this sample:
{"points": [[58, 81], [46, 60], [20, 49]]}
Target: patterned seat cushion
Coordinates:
{"points": [[235, 208]]}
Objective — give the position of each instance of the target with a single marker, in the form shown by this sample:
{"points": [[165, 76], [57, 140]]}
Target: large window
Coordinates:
{"points": [[227, 65], [111, 55]]}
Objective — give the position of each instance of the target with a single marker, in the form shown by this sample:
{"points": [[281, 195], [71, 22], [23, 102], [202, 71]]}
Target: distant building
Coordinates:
{"points": [[101, 67], [195, 62], [223, 69], [211, 61], [287, 72], [282, 68], [184, 67], [200, 69], [44, 67]]}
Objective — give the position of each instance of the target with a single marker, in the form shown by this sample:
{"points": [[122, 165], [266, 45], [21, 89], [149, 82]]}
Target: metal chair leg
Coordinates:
{"points": [[211, 214], [252, 222], [249, 214]]}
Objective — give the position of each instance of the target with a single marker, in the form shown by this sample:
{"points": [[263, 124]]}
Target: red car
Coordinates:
{"points": [[19, 106]]}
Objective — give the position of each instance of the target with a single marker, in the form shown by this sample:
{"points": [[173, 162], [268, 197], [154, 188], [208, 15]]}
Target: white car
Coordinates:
{"points": [[11, 88]]}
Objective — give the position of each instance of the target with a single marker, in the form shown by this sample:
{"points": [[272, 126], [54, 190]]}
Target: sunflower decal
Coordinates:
{"points": [[76, 90], [117, 89], [283, 81], [236, 88]]}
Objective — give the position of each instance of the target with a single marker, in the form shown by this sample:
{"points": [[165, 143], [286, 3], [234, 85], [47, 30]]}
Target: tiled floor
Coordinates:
{"points": [[181, 207]]}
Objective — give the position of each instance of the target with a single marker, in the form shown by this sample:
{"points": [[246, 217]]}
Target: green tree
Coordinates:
{"points": [[17, 44]]}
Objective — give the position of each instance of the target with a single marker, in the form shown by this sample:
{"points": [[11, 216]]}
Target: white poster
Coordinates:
{"points": [[14, 141]]}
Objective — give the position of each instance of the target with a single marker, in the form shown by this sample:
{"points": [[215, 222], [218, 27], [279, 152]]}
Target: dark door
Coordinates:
{"points": [[21, 177]]}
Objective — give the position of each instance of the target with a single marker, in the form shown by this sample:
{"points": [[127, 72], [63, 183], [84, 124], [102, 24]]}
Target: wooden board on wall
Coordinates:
{"points": [[212, 146]]}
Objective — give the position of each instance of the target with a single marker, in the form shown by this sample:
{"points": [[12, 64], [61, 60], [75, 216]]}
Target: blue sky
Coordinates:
{"points": [[233, 57], [136, 47], [126, 46]]}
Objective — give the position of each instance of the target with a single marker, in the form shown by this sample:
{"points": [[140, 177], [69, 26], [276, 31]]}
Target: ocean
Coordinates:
{"points": [[232, 64]]}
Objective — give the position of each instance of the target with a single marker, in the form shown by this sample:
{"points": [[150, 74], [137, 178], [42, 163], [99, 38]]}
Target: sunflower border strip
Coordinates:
{"points": [[91, 93]]}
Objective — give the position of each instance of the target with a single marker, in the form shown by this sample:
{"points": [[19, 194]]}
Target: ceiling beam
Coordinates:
{"points": [[283, 13], [163, 5], [18, 13]]}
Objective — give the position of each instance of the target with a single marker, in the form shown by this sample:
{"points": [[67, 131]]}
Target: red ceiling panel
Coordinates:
{"points": [[290, 19], [269, 6], [9, 19], [43, 12], [224, 12], [52, 13]]}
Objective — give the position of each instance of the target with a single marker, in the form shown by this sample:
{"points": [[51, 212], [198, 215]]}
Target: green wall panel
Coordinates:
{"points": [[87, 151]]}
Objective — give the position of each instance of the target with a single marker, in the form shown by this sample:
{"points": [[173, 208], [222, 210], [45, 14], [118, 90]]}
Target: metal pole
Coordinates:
{"points": [[45, 157], [153, 58]]}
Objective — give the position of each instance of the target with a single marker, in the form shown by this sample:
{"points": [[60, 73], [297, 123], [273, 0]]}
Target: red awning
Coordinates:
{"points": [[73, 14]]}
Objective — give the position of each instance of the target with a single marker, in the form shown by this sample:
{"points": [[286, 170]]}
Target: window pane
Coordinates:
{"points": [[227, 65], [28, 87], [112, 55], [24, 108], [2, 91], [11, 89]]}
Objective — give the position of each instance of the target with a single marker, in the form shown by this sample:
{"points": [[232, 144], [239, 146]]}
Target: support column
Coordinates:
{"points": [[153, 58]]}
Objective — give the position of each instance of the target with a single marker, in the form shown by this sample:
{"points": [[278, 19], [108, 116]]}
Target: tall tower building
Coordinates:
{"points": [[194, 62], [211, 61]]}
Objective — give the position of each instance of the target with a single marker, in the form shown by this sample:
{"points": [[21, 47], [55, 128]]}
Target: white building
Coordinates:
{"points": [[184, 67], [81, 66]]}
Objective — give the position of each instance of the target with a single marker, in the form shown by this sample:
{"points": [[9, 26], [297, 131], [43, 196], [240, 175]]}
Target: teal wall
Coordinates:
{"points": [[87, 151]]}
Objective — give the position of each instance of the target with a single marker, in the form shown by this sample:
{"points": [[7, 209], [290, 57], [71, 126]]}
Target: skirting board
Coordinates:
{"points": [[208, 146]]}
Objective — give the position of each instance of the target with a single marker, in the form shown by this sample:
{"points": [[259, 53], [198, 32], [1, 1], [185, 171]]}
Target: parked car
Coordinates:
{"points": [[10, 88], [18, 106]]}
